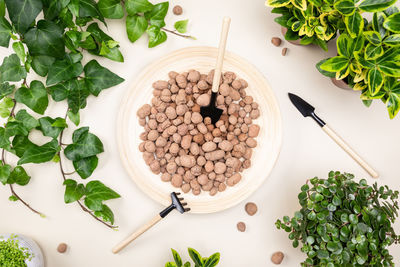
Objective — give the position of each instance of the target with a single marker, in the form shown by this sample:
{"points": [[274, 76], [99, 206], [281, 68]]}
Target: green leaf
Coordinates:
{"points": [[138, 6], [53, 8], [47, 128], [89, 8], [354, 24], [19, 49], [5, 32], [86, 146], [63, 70], [16, 128], [324, 72], [157, 14], [4, 138], [106, 214], [322, 254], [96, 192], [111, 9], [2, 8], [60, 91], [177, 258], [23, 13], [373, 37], [393, 104], [377, 23], [342, 45], [20, 144], [375, 81], [74, 117], [156, 36], [181, 26], [11, 70], [111, 53], [392, 23], [392, 40], [373, 52], [40, 154], [5, 171], [79, 133], [390, 68], [85, 167], [27, 120], [135, 27], [195, 256], [41, 64], [19, 176], [375, 5], [300, 4], [277, 3], [77, 96], [45, 39], [335, 64], [34, 97], [345, 7], [212, 261], [98, 78], [73, 191], [6, 89]]}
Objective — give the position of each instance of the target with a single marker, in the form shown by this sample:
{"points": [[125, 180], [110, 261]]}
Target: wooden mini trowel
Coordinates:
{"points": [[308, 111]]}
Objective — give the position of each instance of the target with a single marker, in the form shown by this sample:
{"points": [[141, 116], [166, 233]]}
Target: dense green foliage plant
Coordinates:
{"points": [[318, 21], [12, 255], [343, 222], [197, 259], [53, 47], [369, 60]]}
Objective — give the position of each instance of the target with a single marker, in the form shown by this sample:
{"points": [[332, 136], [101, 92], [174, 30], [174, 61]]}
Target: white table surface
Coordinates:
{"points": [[306, 152]]}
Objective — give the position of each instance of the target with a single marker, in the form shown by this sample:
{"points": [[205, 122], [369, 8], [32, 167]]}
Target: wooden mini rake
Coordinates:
{"points": [[176, 204]]}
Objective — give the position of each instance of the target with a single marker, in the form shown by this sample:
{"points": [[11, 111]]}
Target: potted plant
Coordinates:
{"points": [[343, 222], [368, 61], [318, 21]]}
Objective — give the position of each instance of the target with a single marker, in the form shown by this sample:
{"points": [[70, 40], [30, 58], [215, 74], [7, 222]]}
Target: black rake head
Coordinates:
{"points": [[176, 204], [211, 110]]}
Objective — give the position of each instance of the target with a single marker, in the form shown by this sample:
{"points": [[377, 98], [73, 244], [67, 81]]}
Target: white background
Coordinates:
{"points": [[306, 152]]}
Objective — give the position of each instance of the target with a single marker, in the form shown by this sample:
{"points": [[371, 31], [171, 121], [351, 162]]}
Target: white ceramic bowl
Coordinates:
{"points": [[33, 248]]}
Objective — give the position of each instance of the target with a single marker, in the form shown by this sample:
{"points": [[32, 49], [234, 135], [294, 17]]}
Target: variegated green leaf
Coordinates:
{"points": [[324, 72], [177, 258], [342, 45], [359, 86], [300, 4], [377, 23], [354, 24], [392, 40], [196, 257], [390, 68], [375, 81], [296, 26], [335, 64], [392, 54], [317, 3], [212, 261], [373, 37], [277, 3], [373, 52], [340, 75], [393, 104], [356, 44], [361, 60], [375, 5], [392, 23], [345, 7]]}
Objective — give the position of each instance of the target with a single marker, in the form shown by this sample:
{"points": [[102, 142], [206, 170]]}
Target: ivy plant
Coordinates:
{"points": [[343, 222], [197, 259], [368, 61], [319, 21]]}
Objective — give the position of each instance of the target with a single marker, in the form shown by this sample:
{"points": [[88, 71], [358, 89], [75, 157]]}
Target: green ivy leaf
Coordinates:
{"points": [[73, 191], [96, 192], [19, 49], [111, 53], [98, 78], [181, 26], [392, 23], [74, 117], [156, 36], [138, 6], [89, 8], [40, 154], [23, 13], [106, 214], [135, 27], [111, 9], [11, 70], [41, 64], [375, 5], [53, 8], [5, 32], [63, 70], [27, 120], [354, 24], [4, 138], [6, 89], [212, 261], [34, 97], [345, 7], [45, 39], [60, 91], [19, 176], [196, 257], [20, 144], [85, 167], [48, 129], [157, 14], [85, 146], [5, 171], [2, 8], [77, 96]]}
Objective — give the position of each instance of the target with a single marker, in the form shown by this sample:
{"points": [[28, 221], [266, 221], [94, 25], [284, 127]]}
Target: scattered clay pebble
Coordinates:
{"points": [[276, 41], [277, 257], [241, 226], [251, 208], [177, 10], [284, 51], [62, 247]]}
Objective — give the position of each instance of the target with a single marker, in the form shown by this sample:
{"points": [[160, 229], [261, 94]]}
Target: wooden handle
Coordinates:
{"points": [[136, 234], [221, 54], [350, 151]]}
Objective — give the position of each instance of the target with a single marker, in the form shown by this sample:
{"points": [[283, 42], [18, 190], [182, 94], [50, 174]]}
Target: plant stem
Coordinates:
{"points": [[64, 174], [23, 202], [178, 34]]}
